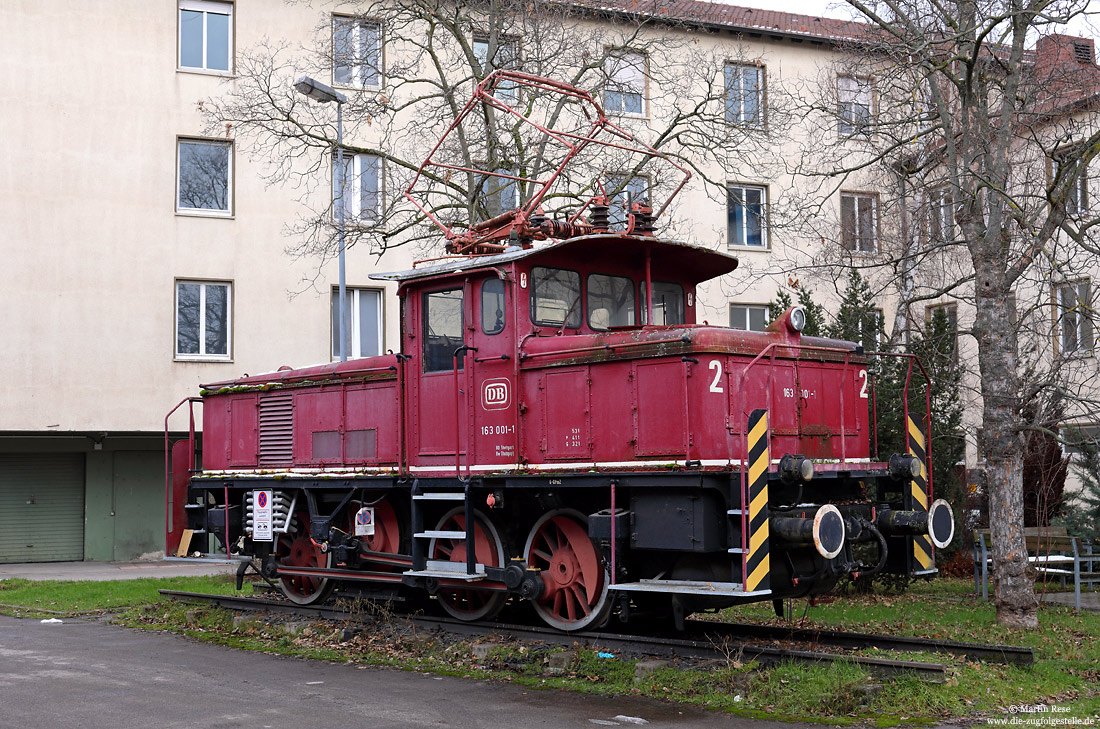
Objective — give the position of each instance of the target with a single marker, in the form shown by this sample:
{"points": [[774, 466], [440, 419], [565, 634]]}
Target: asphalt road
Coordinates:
{"points": [[91, 675]]}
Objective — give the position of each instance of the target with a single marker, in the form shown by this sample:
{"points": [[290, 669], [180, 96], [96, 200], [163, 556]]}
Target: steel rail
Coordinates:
{"points": [[702, 647], [990, 652]]}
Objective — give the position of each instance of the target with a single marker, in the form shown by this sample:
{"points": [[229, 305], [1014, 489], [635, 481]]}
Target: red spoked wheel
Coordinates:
{"points": [[297, 550], [574, 576], [469, 603], [387, 529]]}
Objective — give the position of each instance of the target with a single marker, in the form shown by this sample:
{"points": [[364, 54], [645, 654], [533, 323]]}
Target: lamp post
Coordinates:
{"points": [[324, 94]]}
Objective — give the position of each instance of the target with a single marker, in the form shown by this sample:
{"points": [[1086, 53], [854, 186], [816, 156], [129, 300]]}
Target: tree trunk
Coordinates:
{"points": [[1001, 447]]}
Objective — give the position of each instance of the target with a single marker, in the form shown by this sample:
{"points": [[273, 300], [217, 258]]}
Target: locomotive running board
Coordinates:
{"points": [[689, 587]]}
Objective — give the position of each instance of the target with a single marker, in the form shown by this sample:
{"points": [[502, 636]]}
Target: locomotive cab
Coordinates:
{"points": [[486, 320]]}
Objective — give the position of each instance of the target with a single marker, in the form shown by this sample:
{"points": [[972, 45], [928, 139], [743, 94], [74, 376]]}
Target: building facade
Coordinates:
{"points": [[147, 253]]}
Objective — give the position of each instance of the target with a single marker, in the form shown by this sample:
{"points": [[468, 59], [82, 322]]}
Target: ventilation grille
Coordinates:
{"points": [[1083, 52], [276, 430]]}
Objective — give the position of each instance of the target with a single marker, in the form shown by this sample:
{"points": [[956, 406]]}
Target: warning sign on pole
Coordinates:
{"points": [[261, 517]]}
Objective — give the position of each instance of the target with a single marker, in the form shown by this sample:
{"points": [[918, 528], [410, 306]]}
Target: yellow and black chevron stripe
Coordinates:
{"points": [[758, 561], [918, 497]]}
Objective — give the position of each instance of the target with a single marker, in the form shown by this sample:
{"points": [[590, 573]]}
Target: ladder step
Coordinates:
{"points": [[197, 531], [440, 496], [735, 512], [194, 506], [736, 550], [440, 535], [450, 570]]}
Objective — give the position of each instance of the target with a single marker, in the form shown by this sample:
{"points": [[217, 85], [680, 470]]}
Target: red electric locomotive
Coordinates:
{"points": [[559, 428]]}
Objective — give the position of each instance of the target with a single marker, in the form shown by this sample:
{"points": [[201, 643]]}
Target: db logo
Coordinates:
{"points": [[495, 395]]}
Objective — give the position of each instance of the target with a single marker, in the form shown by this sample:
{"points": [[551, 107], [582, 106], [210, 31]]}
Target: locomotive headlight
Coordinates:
{"points": [[793, 469], [798, 318]]}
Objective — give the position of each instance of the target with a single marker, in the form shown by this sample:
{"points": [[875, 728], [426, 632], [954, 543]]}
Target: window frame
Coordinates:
{"points": [[354, 214], [760, 92], [951, 308], [765, 238], [424, 313], [1085, 320], [1077, 201], [206, 7], [355, 343], [508, 93], [507, 181], [580, 304], [202, 355], [588, 301], [643, 313], [615, 208], [356, 65], [848, 124], [748, 322], [229, 195], [875, 222], [941, 215], [481, 306], [614, 85]]}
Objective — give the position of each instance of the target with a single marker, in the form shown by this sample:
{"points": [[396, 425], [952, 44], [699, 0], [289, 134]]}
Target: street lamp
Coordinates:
{"points": [[324, 94]]}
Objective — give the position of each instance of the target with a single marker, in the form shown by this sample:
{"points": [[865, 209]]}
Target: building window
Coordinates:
{"points": [[744, 94], [950, 313], [626, 81], [610, 301], [748, 317], [858, 222], [1075, 316], [363, 311], [745, 216], [623, 194], [854, 96], [205, 172], [206, 35], [496, 193], [362, 198], [941, 218], [1077, 197], [356, 53], [203, 320], [505, 56]]}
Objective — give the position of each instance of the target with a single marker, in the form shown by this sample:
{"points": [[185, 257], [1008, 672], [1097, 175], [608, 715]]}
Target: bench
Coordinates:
{"points": [[1050, 551]]}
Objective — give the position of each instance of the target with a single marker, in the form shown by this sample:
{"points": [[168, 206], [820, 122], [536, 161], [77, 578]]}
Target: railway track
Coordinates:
{"points": [[701, 641]]}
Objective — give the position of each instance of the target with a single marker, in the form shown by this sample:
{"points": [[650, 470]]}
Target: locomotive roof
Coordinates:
{"points": [[684, 260]]}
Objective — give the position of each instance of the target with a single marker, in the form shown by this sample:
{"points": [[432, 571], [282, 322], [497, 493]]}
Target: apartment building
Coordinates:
{"points": [[147, 253]]}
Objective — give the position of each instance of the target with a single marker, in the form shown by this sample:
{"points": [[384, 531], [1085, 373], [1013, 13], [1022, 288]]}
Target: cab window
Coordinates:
{"points": [[668, 303], [441, 312], [555, 297], [492, 306], [610, 301]]}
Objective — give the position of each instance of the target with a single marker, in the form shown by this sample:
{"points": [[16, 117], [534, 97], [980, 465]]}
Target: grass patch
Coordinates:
{"points": [[1066, 675], [31, 598]]}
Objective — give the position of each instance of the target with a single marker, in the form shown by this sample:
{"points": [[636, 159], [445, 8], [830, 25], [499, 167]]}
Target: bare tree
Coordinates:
{"points": [[975, 124], [408, 66]]}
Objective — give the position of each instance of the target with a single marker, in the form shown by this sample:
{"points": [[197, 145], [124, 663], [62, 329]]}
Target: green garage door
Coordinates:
{"points": [[41, 507]]}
